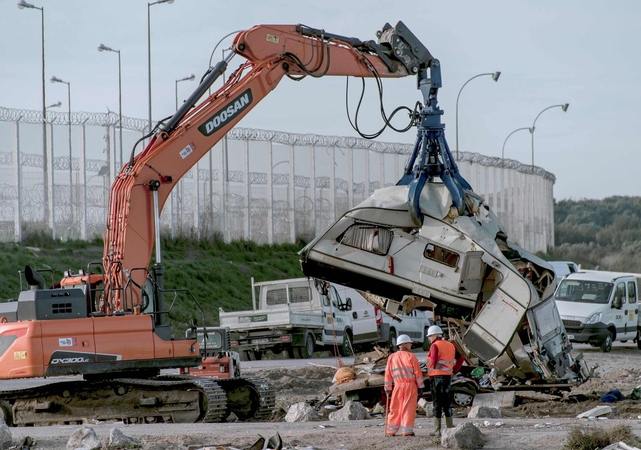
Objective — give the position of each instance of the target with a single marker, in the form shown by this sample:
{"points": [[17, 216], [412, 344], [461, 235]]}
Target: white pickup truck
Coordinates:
{"points": [[294, 316]]}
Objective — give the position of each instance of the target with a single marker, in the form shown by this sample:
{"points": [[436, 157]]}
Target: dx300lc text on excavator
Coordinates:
{"points": [[109, 323]]}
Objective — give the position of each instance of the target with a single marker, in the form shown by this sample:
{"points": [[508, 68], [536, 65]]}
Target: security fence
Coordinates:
{"points": [[259, 185]]}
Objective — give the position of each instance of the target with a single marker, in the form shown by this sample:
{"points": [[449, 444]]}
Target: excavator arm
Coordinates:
{"points": [[271, 52]]}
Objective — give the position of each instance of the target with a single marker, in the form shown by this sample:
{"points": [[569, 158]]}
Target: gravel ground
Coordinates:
{"points": [[534, 425]]}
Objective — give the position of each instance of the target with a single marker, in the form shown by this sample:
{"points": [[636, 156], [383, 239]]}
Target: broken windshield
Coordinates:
{"points": [[583, 291]]}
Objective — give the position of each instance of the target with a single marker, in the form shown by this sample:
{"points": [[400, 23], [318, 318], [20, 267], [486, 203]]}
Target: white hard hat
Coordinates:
{"points": [[403, 339], [434, 329]]}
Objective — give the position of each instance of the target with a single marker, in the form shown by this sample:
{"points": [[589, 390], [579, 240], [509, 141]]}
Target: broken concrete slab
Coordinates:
{"points": [[5, 435], [484, 412], [351, 411], [86, 438], [620, 446], [495, 399], [301, 412], [464, 436], [117, 439], [595, 412]]}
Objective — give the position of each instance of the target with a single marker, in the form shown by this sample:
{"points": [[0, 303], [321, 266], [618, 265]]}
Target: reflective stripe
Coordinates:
{"points": [[406, 429], [446, 353], [403, 375]]}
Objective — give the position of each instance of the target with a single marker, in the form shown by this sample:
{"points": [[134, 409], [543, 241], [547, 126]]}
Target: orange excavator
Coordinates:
{"points": [[109, 323]]}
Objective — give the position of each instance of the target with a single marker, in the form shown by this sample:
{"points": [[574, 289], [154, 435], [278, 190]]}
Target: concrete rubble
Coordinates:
{"points": [[484, 412], [5, 435], [84, 438], [118, 440], [351, 411], [302, 412], [465, 436], [595, 412]]}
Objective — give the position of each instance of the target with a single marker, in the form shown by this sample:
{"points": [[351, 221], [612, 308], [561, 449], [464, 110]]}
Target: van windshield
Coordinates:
{"points": [[583, 291]]}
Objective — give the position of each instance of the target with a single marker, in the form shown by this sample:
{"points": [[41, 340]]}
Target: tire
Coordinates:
{"points": [[346, 348], [291, 352], [392, 338], [638, 341], [244, 355], [258, 355], [606, 345], [426, 340], [307, 350], [462, 395]]}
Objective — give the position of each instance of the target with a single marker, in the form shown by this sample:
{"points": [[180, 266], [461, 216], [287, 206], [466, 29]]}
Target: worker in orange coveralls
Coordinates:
{"points": [[404, 383]]}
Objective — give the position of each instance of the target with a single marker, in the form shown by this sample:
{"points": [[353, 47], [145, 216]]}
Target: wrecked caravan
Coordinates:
{"points": [[500, 295]]}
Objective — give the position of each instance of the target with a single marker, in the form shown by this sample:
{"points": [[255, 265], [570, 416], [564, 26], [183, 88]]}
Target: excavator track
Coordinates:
{"points": [[249, 397], [132, 400]]}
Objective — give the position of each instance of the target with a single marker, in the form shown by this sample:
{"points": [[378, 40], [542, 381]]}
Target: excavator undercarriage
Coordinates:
{"points": [[173, 399]]}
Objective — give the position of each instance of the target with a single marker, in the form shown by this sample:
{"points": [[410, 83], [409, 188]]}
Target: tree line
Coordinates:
{"points": [[598, 234]]}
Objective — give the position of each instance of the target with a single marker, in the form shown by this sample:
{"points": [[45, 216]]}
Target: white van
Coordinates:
{"points": [[373, 327], [599, 307]]}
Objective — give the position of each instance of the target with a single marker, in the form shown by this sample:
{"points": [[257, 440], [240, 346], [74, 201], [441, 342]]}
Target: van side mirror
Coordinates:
{"points": [[348, 304], [617, 302]]}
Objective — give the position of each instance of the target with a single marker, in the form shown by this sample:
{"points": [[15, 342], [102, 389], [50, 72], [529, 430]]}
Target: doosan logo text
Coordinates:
{"points": [[233, 108]]}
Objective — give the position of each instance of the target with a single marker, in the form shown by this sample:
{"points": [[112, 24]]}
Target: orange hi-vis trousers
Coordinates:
{"points": [[402, 410]]}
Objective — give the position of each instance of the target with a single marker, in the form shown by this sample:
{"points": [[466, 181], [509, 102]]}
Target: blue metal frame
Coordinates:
{"points": [[431, 156]]}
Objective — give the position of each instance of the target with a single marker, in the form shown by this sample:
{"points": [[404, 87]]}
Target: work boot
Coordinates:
{"points": [[448, 422], [437, 427]]}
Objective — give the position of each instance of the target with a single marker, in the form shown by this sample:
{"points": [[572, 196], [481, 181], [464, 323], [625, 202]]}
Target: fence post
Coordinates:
{"points": [[17, 221], [50, 182]]}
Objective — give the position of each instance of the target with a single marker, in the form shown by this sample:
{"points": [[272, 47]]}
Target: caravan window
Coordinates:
{"points": [[369, 238], [441, 254]]}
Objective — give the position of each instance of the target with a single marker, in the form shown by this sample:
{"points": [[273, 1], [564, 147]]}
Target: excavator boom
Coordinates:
{"points": [[272, 52]]}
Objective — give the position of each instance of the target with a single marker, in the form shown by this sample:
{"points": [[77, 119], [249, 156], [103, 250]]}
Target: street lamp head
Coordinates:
{"points": [[496, 75], [55, 105], [565, 107], [103, 47], [56, 80], [191, 77], [22, 5]]}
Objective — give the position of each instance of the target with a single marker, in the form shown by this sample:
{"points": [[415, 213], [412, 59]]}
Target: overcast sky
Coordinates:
{"points": [[583, 52]]}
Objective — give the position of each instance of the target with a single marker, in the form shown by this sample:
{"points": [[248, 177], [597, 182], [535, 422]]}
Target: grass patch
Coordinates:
{"points": [[218, 274], [592, 438]]}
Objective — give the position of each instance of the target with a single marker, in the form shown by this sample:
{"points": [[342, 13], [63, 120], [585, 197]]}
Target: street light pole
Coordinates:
{"points": [[45, 166], [58, 80], [564, 107], [495, 76], [104, 48], [149, 52], [189, 78], [508, 136]]}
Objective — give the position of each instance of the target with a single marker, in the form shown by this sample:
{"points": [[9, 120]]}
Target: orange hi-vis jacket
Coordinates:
{"points": [[403, 367], [441, 358]]}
